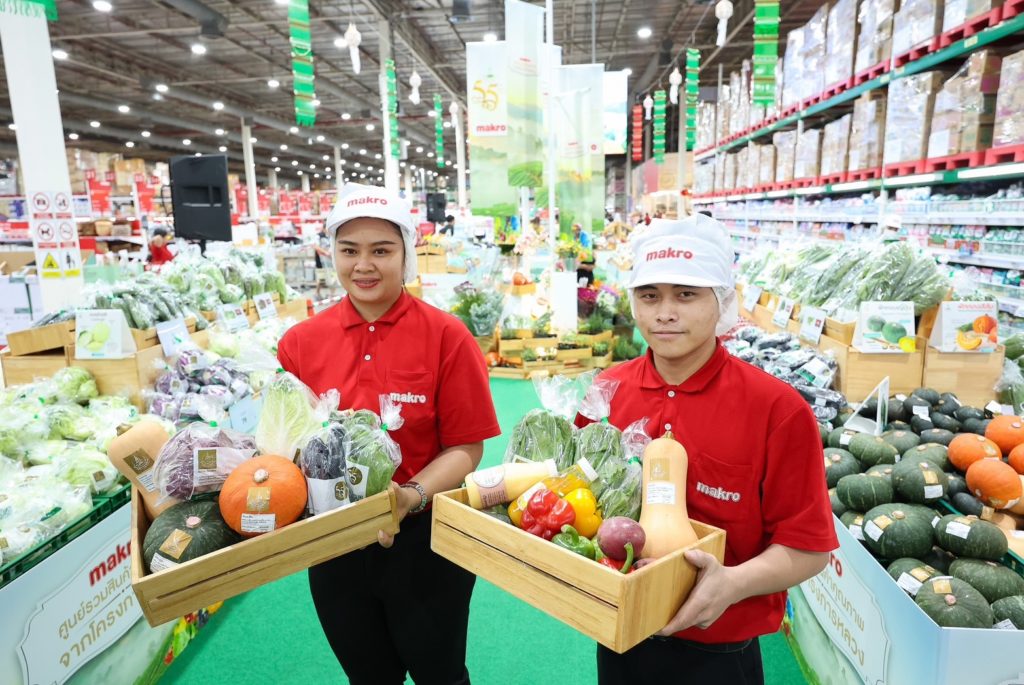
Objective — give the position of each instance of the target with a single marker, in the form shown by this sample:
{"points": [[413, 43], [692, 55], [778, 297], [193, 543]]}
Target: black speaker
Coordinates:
{"points": [[460, 11], [436, 203], [199, 197]]}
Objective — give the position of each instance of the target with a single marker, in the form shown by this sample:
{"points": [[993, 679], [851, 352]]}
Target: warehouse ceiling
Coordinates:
{"points": [[117, 58]]}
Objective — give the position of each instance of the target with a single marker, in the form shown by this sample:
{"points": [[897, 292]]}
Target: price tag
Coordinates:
{"points": [[245, 414], [921, 411], [172, 334], [1005, 624], [751, 295], [994, 407], [873, 531], [265, 306], [933, 491], [909, 583], [783, 312], [961, 530], [259, 523], [233, 317], [812, 322], [857, 531]]}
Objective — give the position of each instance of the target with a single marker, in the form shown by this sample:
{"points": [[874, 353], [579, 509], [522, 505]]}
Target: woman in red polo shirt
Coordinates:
{"points": [[395, 608], [755, 462]]}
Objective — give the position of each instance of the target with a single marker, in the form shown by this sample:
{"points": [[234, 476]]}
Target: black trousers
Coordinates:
{"points": [[671, 661], [387, 612]]}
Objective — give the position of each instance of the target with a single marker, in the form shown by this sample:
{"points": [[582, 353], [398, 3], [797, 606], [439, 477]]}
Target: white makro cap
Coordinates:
{"points": [[694, 251], [356, 201]]}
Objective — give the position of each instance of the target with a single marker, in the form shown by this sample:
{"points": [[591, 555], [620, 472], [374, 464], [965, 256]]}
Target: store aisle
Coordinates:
{"points": [[272, 635]]}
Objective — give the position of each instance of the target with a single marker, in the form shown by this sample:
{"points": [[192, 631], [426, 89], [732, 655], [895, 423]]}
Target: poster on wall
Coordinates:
{"points": [[487, 85], [524, 29], [615, 92]]}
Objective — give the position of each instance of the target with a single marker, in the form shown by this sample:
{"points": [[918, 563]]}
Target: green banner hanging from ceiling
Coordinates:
{"points": [[30, 8], [766, 51], [438, 131], [692, 91], [660, 99], [302, 62], [392, 122]]}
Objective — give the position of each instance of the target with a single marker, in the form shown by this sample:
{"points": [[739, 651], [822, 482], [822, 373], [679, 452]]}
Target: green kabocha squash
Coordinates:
{"points": [[838, 508], [897, 411], [919, 482], [927, 396], [892, 532], [1009, 609], [933, 452], [948, 404], [184, 532], [994, 581], [910, 574], [940, 559], [899, 426], [956, 484], [952, 603], [976, 426], [939, 436], [902, 440], [839, 463], [871, 450], [919, 424], [882, 470], [840, 437], [869, 408], [967, 503], [861, 491], [824, 429], [842, 417], [944, 422], [969, 536], [965, 413]]}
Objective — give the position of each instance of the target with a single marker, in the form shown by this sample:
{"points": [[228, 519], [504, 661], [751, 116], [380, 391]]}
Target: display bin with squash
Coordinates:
{"points": [[171, 593], [972, 375], [617, 610]]}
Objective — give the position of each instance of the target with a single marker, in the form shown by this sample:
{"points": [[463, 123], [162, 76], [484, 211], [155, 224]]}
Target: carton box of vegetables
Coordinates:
{"points": [[216, 513]]}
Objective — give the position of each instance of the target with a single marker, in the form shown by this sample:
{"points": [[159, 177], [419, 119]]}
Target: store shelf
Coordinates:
{"points": [[134, 239], [954, 51], [982, 259]]}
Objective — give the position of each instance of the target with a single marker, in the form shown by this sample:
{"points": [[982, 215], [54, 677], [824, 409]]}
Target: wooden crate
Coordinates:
{"points": [[541, 365], [127, 377], [42, 339], [28, 368], [148, 338], [510, 372], [415, 288], [971, 375], [249, 306], [538, 343], [591, 340], [172, 593], [617, 610], [430, 249], [762, 318], [840, 330], [567, 355], [520, 290], [510, 348], [860, 372], [295, 309], [601, 362]]}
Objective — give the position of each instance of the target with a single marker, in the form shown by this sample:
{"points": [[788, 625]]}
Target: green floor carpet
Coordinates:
{"points": [[271, 635]]}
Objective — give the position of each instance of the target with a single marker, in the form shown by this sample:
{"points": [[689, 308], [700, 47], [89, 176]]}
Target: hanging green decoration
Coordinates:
{"points": [[766, 51], [692, 91], [392, 123], [658, 138], [49, 7], [439, 131], [302, 62]]}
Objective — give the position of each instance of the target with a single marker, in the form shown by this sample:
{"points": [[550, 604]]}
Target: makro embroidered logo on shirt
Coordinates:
{"points": [[718, 493], [367, 201], [669, 253], [408, 398]]}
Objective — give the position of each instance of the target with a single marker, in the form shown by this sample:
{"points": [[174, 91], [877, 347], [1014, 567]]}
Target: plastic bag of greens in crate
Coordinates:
{"points": [[1010, 387], [547, 433], [620, 491], [324, 463], [600, 442], [373, 456]]}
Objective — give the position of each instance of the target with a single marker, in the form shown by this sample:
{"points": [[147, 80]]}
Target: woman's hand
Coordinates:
{"points": [[407, 500]]}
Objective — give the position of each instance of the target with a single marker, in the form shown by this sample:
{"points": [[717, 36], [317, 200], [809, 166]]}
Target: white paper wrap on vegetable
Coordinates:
{"points": [[373, 455]]}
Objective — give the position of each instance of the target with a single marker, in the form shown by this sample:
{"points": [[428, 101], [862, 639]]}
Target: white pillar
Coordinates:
{"points": [[250, 171], [305, 183], [272, 179], [338, 181], [681, 157], [32, 85], [408, 183], [460, 154], [390, 163]]}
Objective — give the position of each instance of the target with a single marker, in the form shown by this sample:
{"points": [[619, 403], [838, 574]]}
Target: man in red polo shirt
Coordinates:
{"points": [[755, 462]]}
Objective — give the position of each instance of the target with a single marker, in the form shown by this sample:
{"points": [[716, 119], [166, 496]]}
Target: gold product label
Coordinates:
{"points": [[207, 459], [883, 521], [176, 543], [660, 468], [139, 461], [257, 501], [942, 586]]}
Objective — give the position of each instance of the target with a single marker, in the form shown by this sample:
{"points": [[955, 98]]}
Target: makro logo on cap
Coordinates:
{"points": [[366, 201], [669, 253]]}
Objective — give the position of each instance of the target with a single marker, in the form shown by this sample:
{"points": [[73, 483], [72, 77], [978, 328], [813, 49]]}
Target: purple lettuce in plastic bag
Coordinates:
{"points": [[178, 472]]}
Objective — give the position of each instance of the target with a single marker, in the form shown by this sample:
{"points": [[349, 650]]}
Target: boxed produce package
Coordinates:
{"points": [[958, 12], [867, 131], [964, 112], [766, 165], [1009, 127], [785, 155], [793, 68], [842, 42], [834, 146], [706, 112], [908, 119], [808, 154], [874, 42], [704, 178], [720, 173], [814, 53], [729, 182], [916, 23]]}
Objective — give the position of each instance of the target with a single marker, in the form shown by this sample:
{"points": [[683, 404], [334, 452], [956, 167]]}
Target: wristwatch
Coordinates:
{"points": [[422, 493]]}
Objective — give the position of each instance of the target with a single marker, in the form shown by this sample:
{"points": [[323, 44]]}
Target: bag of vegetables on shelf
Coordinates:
{"points": [[324, 463], [1010, 387], [198, 459], [547, 433], [373, 456]]}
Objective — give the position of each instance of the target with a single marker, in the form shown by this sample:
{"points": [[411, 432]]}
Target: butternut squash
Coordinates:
{"points": [[663, 513], [1015, 541], [1018, 508], [133, 452]]}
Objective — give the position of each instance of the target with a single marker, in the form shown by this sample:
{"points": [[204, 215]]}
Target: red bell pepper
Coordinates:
{"points": [[620, 566], [546, 513]]}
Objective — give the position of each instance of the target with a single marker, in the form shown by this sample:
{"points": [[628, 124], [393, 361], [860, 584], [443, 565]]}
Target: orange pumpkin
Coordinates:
{"points": [[263, 494], [519, 279], [985, 324], [1016, 459], [1006, 431], [967, 448], [994, 482]]}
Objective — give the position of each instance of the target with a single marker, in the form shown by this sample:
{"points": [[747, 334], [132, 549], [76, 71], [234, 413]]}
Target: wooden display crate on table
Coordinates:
{"points": [[971, 375], [42, 339], [27, 368], [601, 362], [145, 338], [574, 354], [617, 610], [172, 593], [860, 372], [592, 339]]}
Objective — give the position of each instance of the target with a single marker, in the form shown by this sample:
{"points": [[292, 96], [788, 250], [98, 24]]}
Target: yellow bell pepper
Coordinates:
{"points": [[588, 519], [515, 513]]}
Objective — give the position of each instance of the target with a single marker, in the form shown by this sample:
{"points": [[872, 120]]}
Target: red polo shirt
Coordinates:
{"points": [[756, 467], [416, 351]]}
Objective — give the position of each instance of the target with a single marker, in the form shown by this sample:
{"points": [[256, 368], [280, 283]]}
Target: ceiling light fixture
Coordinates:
{"points": [[326, 157], [362, 151], [627, 71], [158, 96], [273, 159], [277, 168], [218, 131], [320, 139], [129, 144], [218, 105], [73, 136], [94, 124], [102, 6], [254, 140], [198, 49], [377, 156], [283, 147], [644, 32], [316, 102], [223, 148], [293, 129], [431, 113], [146, 134], [419, 149], [124, 109], [370, 127], [273, 83], [295, 163], [161, 87], [13, 127], [59, 54], [415, 82], [186, 141], [345, 116], [344, 146]]}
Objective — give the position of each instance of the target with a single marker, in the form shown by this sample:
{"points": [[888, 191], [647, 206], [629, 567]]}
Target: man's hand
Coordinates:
{"points": [[408, 499], [714, 592]]}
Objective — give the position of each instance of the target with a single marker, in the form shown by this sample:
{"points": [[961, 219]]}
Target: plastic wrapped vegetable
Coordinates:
{"points": [[547, 433], [69, 421], [324, 463], [621, 490], [600, 442], [373, 456], [74, 384], [290, 415], [199, 458], [1010, 387], [85, 467]]}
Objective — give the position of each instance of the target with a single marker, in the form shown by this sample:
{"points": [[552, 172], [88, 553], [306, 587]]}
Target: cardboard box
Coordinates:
{"points": [[916, 23], [874, 42], [842, 42], [908, 119], [807, 162], [835, 145], [971, 375], [172, 593], [1009, 123], [766, 164], [617, 610], [785, 155]]}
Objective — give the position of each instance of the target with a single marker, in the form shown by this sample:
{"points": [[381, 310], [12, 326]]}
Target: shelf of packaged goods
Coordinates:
{"points": [[134, 239], [752, 234], [957, 49], [1011, 305], [982, 259]]}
